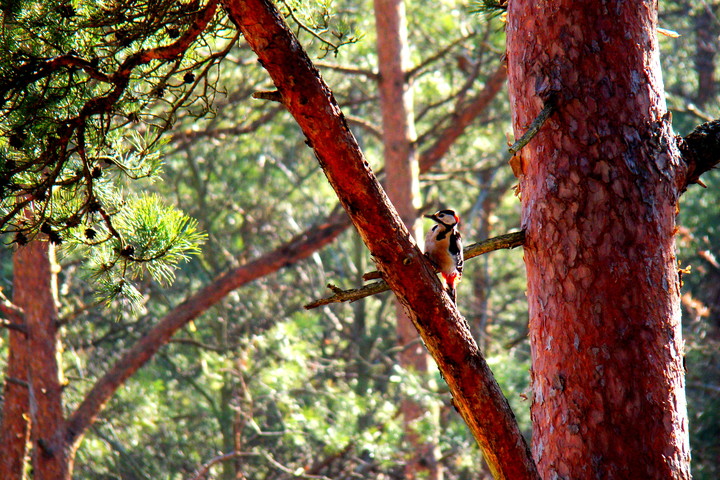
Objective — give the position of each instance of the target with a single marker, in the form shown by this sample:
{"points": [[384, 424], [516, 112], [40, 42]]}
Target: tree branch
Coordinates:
{"points": [[462, 119], [349, 70], [15, 315], [300, 247], [701, 150], [271, 95], [203, 471], [535, 126], [18, 327], [438, 55], [510, 240]]}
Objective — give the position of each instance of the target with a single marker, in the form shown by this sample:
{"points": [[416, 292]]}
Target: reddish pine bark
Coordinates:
{"points": [[34, 292], [15, 426], [600, 185]]}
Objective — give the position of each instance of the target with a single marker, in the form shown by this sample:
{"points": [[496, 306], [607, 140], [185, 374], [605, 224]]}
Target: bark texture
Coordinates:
{"points": [[15, 426], [34, 292], [600, 185], [446, 334]]}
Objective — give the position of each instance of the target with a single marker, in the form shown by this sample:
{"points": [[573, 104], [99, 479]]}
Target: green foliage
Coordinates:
{"points": [[82, 113], [489, 8], [151, 238], [320, 21]]}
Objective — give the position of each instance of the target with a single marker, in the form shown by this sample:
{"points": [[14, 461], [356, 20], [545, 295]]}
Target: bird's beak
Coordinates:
{"points": [[431, 217]]}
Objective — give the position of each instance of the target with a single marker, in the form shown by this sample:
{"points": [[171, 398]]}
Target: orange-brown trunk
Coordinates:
{"points": [[600, 185]]}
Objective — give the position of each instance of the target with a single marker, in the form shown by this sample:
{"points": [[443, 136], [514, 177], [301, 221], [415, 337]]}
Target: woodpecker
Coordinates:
{"points": [[443, 246]]}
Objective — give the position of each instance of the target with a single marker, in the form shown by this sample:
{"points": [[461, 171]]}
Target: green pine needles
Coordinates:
{"points": [[87, 91], [489, 8], [152, 239]]}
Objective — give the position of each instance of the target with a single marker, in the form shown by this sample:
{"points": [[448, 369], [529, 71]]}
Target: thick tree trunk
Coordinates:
{"points": [[402, 186], [600, 185]]}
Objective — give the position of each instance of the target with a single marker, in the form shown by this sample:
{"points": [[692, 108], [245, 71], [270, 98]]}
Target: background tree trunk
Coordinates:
{"points": [[600, 185], [402, 185], [15, 426], [706, 29], [34, 288]]}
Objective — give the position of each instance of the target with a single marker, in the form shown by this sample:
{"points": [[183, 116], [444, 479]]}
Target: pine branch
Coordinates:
{"points": [[510, 240], [300, 247], [15, 316], [700, 150]]}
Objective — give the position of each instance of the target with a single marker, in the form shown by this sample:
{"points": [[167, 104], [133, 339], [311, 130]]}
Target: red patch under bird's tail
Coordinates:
{"points": [[451, 281]]}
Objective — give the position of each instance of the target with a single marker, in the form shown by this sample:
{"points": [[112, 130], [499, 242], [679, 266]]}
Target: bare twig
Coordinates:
{"points": [[535, 126], [204, 346], [294, 473], [203, 471], [13, 313], [438, 55], [349, 70], [272, 95], [509, 240]]}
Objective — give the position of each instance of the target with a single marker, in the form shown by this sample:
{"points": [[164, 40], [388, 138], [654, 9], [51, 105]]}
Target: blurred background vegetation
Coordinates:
{"points": [[312, 393]]}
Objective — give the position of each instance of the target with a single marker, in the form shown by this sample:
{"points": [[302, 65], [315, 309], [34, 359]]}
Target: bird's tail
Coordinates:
{"points": [[452, 292], [451, 282]]}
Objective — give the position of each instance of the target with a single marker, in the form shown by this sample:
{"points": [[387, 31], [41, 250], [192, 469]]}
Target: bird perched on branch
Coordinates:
{"points": [[443, 246]]}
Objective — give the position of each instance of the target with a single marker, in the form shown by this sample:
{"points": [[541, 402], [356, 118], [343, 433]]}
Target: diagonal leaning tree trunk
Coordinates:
{"points": [[600, 188], [446, 334]]}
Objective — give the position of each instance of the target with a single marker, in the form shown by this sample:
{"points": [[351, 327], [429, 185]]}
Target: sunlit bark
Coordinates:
{"points": [[600, 187], [33, 405]]}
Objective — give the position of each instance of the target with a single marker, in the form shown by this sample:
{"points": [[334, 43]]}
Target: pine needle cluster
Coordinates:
{"points": [[86, 91]]}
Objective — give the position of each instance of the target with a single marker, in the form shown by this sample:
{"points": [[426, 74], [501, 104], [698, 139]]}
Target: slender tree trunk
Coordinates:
{"points": [[403, 189], [600, 185], [15, 426], [66, 436], [706, 30], [34, 291]]}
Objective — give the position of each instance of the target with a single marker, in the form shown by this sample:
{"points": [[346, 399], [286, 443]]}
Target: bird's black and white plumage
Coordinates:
{"points": [[443, 246]]}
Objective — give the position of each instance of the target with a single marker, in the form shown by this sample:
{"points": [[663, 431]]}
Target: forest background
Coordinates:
{"points": [[258, 383]]}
